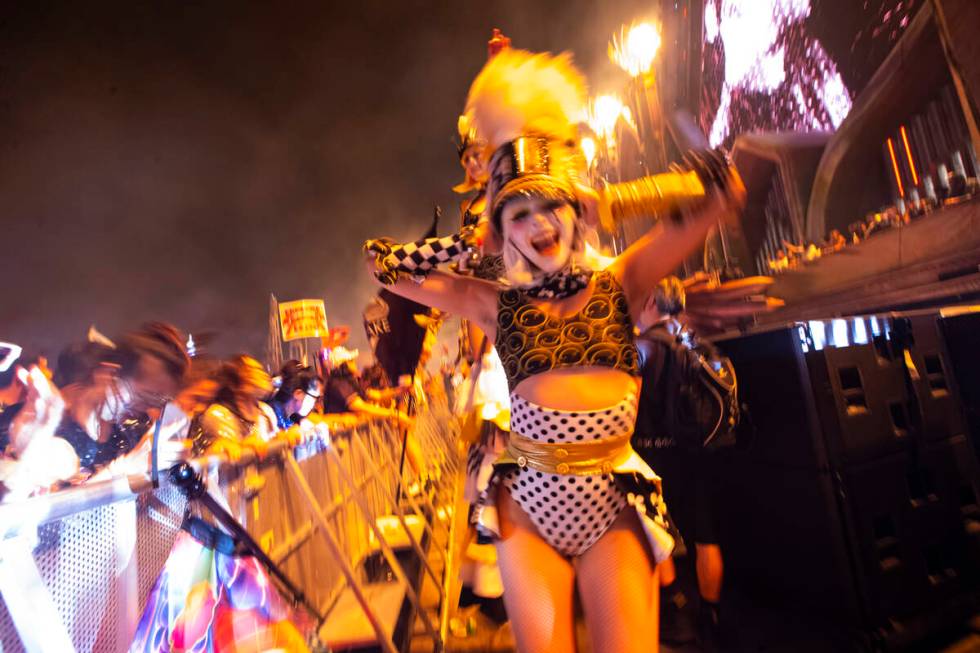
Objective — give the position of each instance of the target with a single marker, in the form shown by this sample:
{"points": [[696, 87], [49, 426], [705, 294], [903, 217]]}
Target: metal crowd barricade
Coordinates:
{"points": [[364, 540]]}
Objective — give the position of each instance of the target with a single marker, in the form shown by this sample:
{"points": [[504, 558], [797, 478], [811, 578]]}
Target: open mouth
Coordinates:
{"points": [[546, 243]]}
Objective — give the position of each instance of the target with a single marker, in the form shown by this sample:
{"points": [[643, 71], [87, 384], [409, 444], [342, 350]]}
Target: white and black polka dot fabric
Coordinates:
{"points": [[570, 511]]}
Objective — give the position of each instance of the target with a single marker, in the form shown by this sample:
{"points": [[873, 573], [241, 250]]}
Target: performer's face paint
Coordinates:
{"points": [[542, 230]]}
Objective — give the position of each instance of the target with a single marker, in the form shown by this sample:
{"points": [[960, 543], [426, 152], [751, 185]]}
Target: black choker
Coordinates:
{"points": [[560, 284]]}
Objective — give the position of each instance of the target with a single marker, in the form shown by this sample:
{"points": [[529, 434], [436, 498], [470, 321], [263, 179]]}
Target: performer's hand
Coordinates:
{"points": [[588, 202], [375, 252], [726, 192], [727, 204]]}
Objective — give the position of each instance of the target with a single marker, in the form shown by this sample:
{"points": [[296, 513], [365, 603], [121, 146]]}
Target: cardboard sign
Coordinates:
{"points": [[304, 318]]}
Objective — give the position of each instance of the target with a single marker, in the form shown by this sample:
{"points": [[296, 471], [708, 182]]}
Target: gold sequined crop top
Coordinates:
{"points": [[530, 342]]}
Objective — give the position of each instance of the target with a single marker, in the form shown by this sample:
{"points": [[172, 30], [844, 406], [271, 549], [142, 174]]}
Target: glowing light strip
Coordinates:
{"points": [[908, 153], [898, 177], [818, 334], [860, 332], [838, 329]]}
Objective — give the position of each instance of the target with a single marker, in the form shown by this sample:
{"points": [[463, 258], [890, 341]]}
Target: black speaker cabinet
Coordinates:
{"points": [[811, 406], [853, 488], [938, 406], [960, 329]]}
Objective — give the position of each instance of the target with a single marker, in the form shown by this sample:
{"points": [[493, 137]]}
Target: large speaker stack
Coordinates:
{"points": [[853, 490]]}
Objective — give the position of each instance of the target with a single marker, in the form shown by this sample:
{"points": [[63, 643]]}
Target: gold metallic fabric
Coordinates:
{"points": [[579, 458], [648, 196], [532, 165], [529, 341]]}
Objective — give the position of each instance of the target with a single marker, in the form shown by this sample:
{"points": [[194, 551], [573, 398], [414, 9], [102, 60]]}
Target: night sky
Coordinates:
{"points": [[180, 161]]}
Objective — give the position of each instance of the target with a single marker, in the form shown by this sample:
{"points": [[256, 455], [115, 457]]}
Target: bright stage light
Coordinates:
{"points": [[588, 149], [605, 113], [635, 49]]}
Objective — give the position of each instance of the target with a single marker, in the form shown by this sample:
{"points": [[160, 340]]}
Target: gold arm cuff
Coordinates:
{"points": [[648, 196], [580, 458]]}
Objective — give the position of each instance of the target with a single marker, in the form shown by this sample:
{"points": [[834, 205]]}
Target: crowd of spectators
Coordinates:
{"points": [[792, 256], [95, 413]]}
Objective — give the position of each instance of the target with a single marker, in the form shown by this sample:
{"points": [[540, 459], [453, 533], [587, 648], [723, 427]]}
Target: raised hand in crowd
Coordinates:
{"points": [[38, 460]]}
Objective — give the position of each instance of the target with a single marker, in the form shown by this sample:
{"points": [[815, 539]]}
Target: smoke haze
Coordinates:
{"points": [[180, 161]]}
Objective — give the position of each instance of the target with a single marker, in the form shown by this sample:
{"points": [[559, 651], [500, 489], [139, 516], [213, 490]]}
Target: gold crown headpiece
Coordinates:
{"points": [[528, 106]]}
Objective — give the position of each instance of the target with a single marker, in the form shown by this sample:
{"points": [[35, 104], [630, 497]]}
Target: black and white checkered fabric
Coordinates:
{"points": [[424, 255]]}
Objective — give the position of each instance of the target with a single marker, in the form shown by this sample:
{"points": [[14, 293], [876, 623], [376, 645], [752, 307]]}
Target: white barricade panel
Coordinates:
{"points": [[100, 564]]}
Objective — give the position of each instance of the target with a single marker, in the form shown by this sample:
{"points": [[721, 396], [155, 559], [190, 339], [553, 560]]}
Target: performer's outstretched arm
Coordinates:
{"points": [[467, 297], [418, 258], [665, 246]]}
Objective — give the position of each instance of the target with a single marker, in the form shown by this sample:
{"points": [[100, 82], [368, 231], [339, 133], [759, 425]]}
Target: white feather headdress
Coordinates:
{"points": [[520, 92]]}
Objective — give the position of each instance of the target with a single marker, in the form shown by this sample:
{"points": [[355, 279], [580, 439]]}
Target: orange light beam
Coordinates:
{"points": [[908, 153], [898, 177]]}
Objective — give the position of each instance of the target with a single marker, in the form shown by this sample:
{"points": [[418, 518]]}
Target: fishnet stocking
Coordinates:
{"points": [[617, 580], [538, 584]]}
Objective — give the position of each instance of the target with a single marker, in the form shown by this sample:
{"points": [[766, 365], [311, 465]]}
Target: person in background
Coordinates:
{"points": [[664, 427], [33, 459], [208, 593], [236, 416], [343, 393], [154, 363], [15, 386], [300, 388], [153, 369], [86, 376]]}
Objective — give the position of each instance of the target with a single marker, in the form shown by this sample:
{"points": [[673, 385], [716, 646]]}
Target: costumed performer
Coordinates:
{"points": [[569, 501]]}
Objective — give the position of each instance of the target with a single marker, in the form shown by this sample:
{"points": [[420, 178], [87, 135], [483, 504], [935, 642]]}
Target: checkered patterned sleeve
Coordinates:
{"points": [[420, 257]]}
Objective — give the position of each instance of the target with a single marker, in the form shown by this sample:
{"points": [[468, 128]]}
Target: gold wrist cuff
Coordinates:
{"points": [[579, 458], [647, 196]]}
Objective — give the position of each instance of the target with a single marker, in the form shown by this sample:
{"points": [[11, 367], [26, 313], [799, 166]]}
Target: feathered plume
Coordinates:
{"points": [[519, 92]]}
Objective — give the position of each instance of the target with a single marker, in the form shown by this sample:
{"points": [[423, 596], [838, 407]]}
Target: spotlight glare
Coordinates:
{"points": [[606, 112], [636, 48], [588, 149]]}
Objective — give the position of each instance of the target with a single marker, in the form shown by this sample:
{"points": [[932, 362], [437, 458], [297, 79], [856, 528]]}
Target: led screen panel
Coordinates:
{"points": [[782, 65]]}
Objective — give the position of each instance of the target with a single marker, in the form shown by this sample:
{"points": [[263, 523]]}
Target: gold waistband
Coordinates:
{"points": [[581, 458]]}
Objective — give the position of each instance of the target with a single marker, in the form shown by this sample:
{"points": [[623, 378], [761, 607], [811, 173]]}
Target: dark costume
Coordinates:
{"points": [[123, 438]]}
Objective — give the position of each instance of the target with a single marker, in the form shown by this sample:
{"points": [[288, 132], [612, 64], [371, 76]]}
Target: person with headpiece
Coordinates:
{"points": [[569, 501], [482, 398]]}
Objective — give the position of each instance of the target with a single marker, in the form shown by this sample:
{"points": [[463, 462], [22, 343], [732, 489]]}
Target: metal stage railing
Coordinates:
{"points": [[363, 537]]}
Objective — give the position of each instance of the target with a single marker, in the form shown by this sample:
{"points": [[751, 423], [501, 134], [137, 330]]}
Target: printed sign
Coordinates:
{"points": [[304, 318]]}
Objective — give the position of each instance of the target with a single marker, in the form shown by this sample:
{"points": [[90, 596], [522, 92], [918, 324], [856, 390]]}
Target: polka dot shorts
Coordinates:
{"points": [[570, 511]]}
